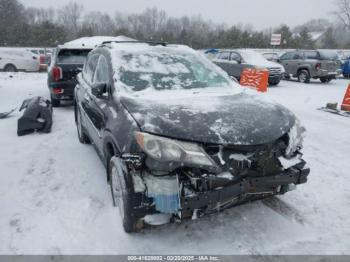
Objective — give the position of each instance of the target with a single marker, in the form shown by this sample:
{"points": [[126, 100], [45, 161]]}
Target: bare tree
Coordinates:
{"points": [[99, 23], [40, 15], [343, 12], [70, 17]]}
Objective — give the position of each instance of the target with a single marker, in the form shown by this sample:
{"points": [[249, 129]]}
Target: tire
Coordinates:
{"points": [[325, 80], [346, 75], [55, 102], [304, 76], [286, 77], [122, 194], [83, 138], [274, 83], [10, 68]]}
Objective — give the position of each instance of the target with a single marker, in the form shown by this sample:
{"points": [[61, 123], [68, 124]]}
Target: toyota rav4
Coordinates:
{"points": [[178, 137]]}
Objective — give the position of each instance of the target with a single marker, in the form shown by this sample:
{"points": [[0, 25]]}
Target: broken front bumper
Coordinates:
{"points": [[165, 194], [259, 187]]}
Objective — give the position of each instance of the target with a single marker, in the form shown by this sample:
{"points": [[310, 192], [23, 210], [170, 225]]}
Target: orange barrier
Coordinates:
{"points": [[346, 102], [258, 79]]}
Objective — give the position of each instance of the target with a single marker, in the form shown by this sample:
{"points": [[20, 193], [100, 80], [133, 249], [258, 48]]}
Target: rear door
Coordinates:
{"points": [[223, 60], [236, 66]]}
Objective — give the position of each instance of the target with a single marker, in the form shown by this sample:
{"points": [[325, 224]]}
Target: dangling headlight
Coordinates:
{"points": [[170, 150], [296, 137]]}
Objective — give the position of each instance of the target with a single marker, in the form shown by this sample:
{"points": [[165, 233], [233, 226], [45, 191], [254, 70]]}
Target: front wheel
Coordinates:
{"points": [[325, 80], [122, 194], [274, 82], [304, 76]]}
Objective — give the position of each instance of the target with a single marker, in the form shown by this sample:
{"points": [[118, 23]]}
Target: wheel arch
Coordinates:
{"points": [[110, 149], [303, 68], [10, 64]]}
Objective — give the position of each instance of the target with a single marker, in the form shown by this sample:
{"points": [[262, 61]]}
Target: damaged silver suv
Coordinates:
{"points": [[178, 137]]}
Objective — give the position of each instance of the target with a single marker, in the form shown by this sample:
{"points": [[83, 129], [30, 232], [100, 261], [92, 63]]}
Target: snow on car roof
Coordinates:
{"points": [[92, 42]]}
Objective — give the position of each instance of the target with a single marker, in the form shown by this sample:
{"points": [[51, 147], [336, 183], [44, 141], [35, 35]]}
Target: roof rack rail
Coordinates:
{"points": [[136, 42]]}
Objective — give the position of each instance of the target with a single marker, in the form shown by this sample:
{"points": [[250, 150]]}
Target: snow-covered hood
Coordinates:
{"points": [[265, 63], [235, 119]]}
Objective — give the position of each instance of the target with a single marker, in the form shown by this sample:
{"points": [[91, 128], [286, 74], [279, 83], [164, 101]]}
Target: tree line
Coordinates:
{"points": [[47, 27]]}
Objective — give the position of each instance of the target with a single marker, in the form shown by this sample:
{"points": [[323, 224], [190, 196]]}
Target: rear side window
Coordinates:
{"points": [[71, 56], [89, 67], [102, 72], [311, 55], [224, 56], [235, 57], [297, 56], [288, 56]]}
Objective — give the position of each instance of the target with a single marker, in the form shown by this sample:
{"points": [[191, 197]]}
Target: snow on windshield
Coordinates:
{"points": [[140, 67]]}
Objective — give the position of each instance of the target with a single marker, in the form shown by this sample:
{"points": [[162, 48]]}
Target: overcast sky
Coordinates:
{"points": [[261, 14]]}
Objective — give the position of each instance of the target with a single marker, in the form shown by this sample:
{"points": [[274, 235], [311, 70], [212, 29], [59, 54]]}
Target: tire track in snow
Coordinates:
{"points": [[283, 209]]}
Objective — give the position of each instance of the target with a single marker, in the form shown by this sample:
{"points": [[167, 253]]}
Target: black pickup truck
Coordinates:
{"points": [[66, 64], [67, 61]]}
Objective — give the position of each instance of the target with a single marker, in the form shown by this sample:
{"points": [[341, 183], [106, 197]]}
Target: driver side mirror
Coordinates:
{"points": [[238, 61], [98, 89], [234, 79]]}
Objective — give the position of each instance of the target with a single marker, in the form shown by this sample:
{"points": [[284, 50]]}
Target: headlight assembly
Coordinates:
{"points": [[296, 137], [170, 150]]}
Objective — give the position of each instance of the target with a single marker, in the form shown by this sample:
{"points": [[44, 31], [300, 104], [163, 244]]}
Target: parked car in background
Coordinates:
{"points": [[178, 137], [235, 61], [346, 66], [67, 61], [13, 60], [44, 57], [271, 56], [311, 64]]}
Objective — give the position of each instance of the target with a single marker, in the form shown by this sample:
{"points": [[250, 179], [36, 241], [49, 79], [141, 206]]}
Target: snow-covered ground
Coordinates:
{"points": [[54, 198]]}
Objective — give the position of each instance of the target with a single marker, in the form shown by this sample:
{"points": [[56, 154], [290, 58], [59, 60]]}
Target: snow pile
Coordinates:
{"points": [[93, 41]]}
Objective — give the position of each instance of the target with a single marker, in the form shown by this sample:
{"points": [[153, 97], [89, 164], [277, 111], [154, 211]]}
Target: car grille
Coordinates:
{"points": [[275, 71]]}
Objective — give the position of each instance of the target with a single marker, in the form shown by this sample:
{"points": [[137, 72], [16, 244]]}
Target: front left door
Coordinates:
{"points": [[85, 98], [100, 110]]}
